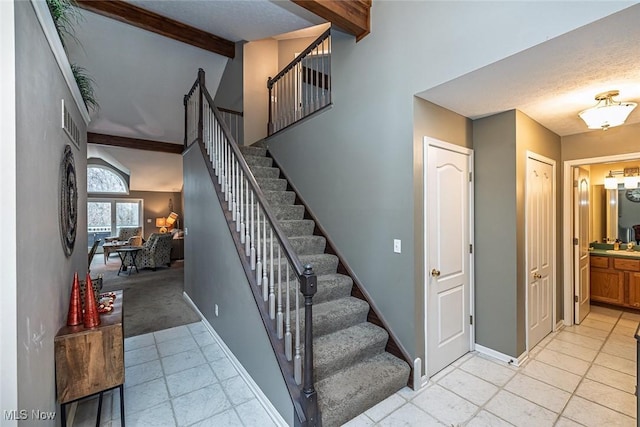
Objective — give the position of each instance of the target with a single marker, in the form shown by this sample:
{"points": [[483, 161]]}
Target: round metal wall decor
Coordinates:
{"points": [[68, 202]]}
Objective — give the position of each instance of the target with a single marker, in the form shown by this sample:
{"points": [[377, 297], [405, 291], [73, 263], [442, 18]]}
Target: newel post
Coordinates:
{"points": [[309, 287], [200, 103], [270, 123]]}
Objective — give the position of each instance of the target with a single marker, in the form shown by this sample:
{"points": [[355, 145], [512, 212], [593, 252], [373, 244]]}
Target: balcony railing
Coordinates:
{"points": [[303, 87]]}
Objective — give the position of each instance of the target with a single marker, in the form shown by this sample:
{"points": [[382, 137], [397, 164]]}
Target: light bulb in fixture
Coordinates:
{"points": [[607, 113], [630, 182], [610, 182]]}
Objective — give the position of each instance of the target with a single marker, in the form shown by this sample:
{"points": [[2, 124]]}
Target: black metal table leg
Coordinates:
{"points": [[99, 410], [121, 405]]}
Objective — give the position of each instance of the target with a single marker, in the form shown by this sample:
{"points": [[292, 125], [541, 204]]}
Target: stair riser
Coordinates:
{"points": [[260, 172], [340, 397], [297, 228], [330, 358], [284, 212], [280, 197], [321, 264], [302, 245], [271, 184], [324, 324], [328, 289], [252, 151], [258, 161]]}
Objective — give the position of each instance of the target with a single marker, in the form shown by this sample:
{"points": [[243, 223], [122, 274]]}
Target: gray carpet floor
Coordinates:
{"points": [[152, 300]]}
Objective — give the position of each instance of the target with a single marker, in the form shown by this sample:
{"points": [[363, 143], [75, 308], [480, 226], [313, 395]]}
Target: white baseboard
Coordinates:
{"points": [[515, 361], [560, 325], [271, 410]]}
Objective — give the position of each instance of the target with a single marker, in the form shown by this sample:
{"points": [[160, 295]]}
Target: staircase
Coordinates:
{"points": [[353, 372]]}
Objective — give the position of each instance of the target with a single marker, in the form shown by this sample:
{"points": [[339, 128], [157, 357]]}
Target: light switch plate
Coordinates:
{"points": [[397, 246]]}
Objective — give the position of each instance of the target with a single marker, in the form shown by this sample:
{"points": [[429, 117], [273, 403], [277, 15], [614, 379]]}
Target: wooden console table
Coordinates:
{"points": [[91, 361]]}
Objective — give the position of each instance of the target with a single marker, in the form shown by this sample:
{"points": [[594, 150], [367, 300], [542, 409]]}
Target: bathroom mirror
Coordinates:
{"points": [[615, 213]]}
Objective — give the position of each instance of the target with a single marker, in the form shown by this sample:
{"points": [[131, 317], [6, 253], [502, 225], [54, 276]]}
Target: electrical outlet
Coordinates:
{"points": [[148, 220], [216, 307], [397, 246]]}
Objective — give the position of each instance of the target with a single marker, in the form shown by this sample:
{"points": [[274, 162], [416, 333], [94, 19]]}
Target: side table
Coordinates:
{"points": [[91, 361], [128, 252]]}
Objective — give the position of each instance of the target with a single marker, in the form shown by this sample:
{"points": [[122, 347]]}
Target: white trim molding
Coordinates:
{"points": [[266, 403], [49, 30], [509, 360]]}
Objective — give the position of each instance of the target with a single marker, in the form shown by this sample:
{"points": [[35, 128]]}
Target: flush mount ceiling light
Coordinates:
{"points": [[607, 113]]}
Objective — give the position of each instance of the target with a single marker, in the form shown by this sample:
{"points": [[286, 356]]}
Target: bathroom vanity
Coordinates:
{"points": [[615, 277]]}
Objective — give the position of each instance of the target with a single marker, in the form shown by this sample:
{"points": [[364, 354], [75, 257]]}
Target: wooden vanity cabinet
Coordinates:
{"points": [[615, 281]]}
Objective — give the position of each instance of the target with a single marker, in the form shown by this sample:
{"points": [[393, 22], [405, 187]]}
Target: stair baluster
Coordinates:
{"points": [[279, 320], [252, 214]]}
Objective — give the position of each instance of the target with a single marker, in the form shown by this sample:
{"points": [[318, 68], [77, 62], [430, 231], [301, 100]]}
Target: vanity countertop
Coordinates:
{"points": [[623, 253]]}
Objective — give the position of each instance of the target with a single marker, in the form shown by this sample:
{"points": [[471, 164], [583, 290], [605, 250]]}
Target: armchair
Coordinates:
{"points": [[155, 252], [125, 234]]}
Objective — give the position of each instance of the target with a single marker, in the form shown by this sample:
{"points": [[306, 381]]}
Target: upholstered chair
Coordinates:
{"points": [[155, 252], [125, 234]]}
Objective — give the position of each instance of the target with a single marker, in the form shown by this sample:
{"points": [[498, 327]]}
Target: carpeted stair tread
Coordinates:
{"points": [[252, 150], [297, 227], [346, 347], [321, 263], [351, 391], [272, 184], [352, 370], [280, 197], [264, 172], [330, 287], [333, 315], [258, 161], [308, 245], [302, 245]]}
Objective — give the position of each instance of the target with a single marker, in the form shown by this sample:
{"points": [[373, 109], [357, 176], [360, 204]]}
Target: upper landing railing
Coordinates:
{"points": [[302, 87]]}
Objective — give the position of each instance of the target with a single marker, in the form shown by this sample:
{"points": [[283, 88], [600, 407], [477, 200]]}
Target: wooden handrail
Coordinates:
{"points": [[304, 399], [226, 110], [290, 253]]}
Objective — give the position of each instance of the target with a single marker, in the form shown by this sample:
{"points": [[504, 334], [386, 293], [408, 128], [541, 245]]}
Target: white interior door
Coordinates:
{"points": [[540, 253], [448, 258], [581, 244]]}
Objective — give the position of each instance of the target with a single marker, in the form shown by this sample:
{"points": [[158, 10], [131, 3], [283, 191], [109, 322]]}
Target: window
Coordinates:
{"points": [[105, 216], [103, 180]]}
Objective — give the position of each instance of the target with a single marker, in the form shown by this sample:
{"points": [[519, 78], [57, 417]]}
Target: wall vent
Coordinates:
{"points": [[70, 127]]}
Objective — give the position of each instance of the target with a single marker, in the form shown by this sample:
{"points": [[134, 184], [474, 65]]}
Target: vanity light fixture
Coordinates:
{"points": [[631, 178], [607, 113]]}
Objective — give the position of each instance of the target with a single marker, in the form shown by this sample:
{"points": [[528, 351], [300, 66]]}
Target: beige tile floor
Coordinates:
{"points": [[580, 375]]}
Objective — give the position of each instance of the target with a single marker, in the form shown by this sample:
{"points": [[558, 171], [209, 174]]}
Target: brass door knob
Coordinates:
{"points": [[537, 276], [435, 273]]}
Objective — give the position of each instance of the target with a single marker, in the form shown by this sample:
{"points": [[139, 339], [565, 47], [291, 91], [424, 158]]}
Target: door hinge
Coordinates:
{"points": [[575, 183], [470, 248], [575, 298], [471, 320], [470, 176], [575, 241]]}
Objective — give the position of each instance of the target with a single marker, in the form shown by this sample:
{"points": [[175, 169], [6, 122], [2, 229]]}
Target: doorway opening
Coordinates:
{"points": [[597, 231]]}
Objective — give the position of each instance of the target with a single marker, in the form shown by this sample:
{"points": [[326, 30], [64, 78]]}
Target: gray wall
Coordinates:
{"points": [[214, 275], [436, 122], [496, 254], [354, 164], [229, 94], [44, 273], [501, 143], [156, 204]]}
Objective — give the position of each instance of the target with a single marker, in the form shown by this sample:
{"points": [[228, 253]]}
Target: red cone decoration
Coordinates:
{"points": [[74, 317], [91, 315]]}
